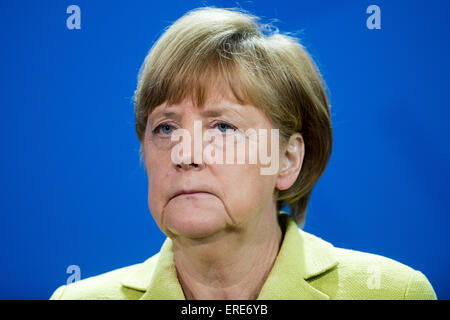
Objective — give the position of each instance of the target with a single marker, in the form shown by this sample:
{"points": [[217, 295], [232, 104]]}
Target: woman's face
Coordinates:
{"points": [[196, 200]]}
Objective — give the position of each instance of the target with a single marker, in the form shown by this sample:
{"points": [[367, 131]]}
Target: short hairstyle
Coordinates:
{"points": [[269, 70]]}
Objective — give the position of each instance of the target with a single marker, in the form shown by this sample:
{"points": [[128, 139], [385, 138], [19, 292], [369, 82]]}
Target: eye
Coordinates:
{"points": [[223, 127], [164, 128]]}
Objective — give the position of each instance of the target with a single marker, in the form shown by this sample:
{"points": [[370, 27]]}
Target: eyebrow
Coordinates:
{"points": [[167, 114]]}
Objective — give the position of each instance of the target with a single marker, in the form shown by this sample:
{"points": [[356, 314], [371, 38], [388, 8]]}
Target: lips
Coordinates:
{"points": [[188, 192]]}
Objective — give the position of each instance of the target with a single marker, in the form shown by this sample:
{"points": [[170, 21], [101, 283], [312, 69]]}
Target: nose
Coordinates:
{"points": [[191, 157], [188, 162], [191, 166]]}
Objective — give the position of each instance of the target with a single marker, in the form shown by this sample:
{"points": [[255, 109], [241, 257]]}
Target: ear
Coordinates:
{"points": [[292, 160]]}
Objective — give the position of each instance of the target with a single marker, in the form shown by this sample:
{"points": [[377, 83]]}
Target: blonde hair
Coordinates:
{"points": [[271, 71]]}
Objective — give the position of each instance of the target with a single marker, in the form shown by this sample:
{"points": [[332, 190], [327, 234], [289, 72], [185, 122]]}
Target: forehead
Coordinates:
{"points": [[209, 98], [211, 95]]}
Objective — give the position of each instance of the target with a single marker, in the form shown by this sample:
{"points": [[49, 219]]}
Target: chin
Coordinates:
{"points": [[194, 221]]}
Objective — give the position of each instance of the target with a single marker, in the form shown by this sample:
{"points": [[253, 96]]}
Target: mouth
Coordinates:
{"points": [[193, 193]]}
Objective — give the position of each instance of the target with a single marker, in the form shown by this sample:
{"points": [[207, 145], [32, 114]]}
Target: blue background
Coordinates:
{"points": [[72, 190]]}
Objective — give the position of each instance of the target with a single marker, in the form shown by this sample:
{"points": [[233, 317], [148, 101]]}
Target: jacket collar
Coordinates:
{"points": [[301, 257]]}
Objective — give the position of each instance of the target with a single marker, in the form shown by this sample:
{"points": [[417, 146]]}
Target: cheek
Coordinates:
{"points": [[246, 191], [158, 166], [157, 158]]}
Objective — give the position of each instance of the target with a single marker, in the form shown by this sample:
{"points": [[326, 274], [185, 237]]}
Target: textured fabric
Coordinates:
{"points": [[306, 267]]}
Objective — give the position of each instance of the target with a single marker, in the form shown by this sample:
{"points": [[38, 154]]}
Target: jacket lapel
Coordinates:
{"points": [[157, 277], [140, 278], [301, 256], [164, 284]]}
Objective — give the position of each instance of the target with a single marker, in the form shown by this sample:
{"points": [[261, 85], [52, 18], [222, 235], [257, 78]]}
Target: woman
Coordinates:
{"points": [[215, 70]]}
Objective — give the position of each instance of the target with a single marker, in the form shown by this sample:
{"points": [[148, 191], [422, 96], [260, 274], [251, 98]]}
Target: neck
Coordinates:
{"points": [[231, 265]]}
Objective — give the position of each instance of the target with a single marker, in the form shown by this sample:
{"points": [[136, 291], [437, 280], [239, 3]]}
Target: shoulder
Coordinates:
{"points": [[118, 284], [362, 275]]}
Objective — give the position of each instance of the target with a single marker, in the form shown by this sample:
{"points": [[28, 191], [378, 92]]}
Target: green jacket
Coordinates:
{"points": [[306, 267]]}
